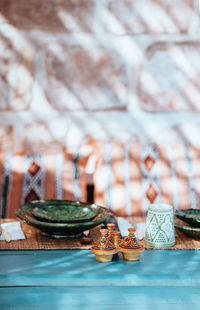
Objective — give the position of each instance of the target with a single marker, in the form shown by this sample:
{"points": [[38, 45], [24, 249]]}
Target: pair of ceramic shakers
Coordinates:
{"points": [[110, 244]]}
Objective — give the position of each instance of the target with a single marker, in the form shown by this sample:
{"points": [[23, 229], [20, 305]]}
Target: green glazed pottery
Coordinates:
{"points": [[61, 230], [190, 231], [190, 216], [60, 212]]}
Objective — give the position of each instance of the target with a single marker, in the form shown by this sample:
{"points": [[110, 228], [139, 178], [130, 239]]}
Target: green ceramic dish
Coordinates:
{"points": [[190, 216], [190, 231], [60, 212], [60, 230]]}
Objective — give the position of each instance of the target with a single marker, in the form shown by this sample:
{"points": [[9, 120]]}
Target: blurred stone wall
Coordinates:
{"points": [[74, 69]]}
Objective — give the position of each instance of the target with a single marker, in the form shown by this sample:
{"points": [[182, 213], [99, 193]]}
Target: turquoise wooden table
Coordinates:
{"points": [[72, 279]]}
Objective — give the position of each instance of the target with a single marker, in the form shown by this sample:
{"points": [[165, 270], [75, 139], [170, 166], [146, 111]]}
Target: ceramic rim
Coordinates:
{"points": [[160, 207]]}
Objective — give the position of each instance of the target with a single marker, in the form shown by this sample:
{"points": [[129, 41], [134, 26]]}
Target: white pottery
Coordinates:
{"points": [[160, 226]]}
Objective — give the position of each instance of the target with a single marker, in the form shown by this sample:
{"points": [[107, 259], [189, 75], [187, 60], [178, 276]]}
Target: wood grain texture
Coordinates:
{"points": [[100, 298], [73, 280]]}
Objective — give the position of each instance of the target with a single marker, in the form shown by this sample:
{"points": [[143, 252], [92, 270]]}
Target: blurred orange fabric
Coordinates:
{"points": [[129, 177], [26, 177]]}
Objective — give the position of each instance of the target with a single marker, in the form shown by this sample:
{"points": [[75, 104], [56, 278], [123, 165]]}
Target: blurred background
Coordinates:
{"points": [[77, 71]]}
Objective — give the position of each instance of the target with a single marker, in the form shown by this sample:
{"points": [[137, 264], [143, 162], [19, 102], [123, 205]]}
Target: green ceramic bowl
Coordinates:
{"points": [[190, 216], [60, 212], [192, 232], [61, 230]]}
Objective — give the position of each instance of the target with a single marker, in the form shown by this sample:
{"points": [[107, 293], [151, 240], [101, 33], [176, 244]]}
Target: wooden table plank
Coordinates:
{"points": [[100, 298], [72, 279], [77, 267]]}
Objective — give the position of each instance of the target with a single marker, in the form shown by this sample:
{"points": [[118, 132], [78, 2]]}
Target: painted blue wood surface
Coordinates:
{"points": [[67, 279], [100, 298]]}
